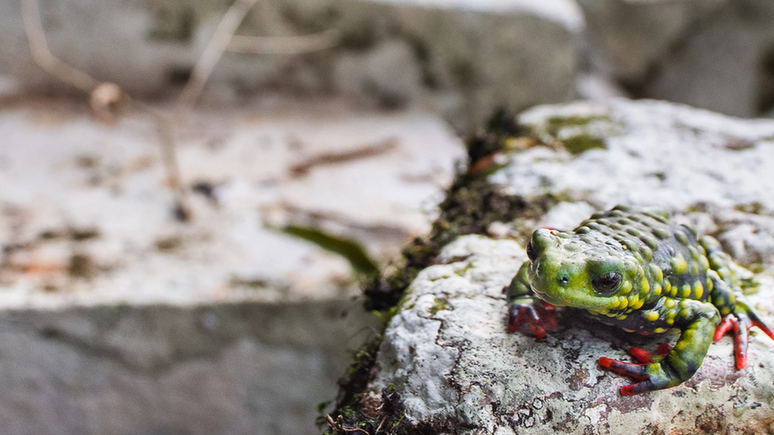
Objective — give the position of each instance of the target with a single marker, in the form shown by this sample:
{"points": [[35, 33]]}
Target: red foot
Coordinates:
{"points": [[539, 317], [646, 357], [741, 323], [637, 371]]}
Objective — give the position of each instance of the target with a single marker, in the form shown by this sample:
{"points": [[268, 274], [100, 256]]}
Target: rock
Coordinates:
{"points": [[116, 317], [449, 357], [627, 38], [725, 64], [225, 368], [446, 352], [463, 58]]}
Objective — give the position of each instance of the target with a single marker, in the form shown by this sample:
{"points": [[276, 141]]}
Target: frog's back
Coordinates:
{"points": [[670, 255]]}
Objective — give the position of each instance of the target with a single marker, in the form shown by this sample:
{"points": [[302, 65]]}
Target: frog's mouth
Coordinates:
{"points": [[552, 299]]}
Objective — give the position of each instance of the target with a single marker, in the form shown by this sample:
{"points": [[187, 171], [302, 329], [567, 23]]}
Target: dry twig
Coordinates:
{"points": [[107, 98], [210, 57]]}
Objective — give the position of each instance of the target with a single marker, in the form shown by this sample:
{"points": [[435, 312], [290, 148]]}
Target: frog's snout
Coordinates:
{"points": [[541, 239]]}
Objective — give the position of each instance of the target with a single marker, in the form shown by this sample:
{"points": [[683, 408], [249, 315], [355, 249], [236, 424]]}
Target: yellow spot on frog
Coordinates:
{"points": [[657, 289], [680, 346], [622, 302], [656, 273], [628, 330], [626, 287], [693, 268], [678, 263], [659, 330], [621, 317], [631, 268], [686, 290], [637, 305], [703, 263], [698, 290], [652, 316], [644, 286], [669, 303], [710, 284], [647, 254], [725, 311]]}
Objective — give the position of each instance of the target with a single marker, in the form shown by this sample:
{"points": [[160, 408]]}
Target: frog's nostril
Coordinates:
{"points": [[563, 279]]}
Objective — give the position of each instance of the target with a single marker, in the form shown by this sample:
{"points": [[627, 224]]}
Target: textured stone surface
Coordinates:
{"points": [[447, 353], [81, 194], [463, 57], [247, 368], [454, 364]]}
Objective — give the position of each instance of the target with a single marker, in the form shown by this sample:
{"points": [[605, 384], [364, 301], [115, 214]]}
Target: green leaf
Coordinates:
{"points": [[351, 250]]}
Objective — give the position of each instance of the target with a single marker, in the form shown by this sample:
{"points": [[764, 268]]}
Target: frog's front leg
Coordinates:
{"points": [[697, 321], [525, 307]]}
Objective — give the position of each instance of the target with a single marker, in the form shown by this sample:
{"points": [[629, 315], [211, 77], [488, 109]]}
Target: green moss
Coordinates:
{"points": [[752, 208], [556, 123], [749, 286], [578, 143], [583, 142], [438, 305]]}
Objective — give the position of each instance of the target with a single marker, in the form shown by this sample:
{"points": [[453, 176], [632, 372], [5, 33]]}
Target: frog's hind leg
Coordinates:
{"points": [[670, 367], [724, 291], [741, 319]]}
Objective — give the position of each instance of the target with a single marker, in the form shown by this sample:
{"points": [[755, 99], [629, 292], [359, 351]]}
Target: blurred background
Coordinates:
{"points": [[192, 192]]}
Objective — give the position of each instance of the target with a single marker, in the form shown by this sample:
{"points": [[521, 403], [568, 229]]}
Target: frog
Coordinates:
{"points": [[636, 270]]}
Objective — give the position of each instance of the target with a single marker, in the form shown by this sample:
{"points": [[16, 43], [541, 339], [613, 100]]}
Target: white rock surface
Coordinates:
{"points": [[62, 174], [455, 365]]}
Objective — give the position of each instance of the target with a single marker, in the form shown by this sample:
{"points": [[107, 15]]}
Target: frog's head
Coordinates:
{"points": [[586, 273]]}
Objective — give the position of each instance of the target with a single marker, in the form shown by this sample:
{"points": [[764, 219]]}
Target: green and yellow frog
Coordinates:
{"points": [[636, 271]]}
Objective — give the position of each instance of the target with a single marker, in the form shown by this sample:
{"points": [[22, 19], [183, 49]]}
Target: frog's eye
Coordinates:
{"points": [[531, 251], [606, 283]]}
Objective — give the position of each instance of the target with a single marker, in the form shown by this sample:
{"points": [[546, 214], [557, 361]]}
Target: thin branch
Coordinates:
{"points": [[42, 55], [36, 37], [284, 44], [210, 57]]}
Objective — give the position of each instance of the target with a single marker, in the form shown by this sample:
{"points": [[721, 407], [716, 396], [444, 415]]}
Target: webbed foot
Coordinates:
{"points": [[539, 315], [741, 321]]}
